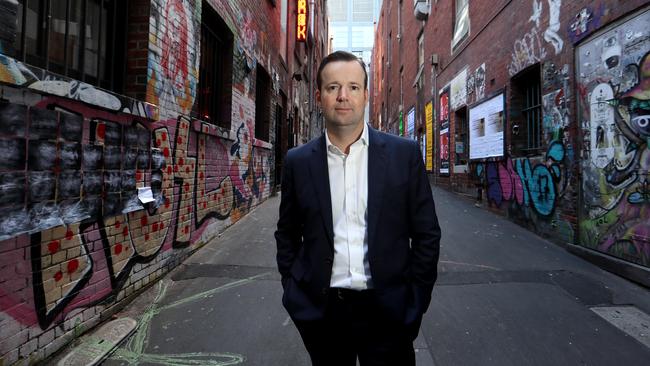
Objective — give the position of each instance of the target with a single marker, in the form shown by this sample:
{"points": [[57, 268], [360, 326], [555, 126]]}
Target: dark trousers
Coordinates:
{"points": [[354, 326]]}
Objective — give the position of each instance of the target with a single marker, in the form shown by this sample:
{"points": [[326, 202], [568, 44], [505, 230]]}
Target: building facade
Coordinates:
{"points": [[537, 109], [132, 133], [352, 27]]}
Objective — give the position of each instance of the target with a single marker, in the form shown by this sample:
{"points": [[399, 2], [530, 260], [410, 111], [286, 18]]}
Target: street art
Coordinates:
{"points": [[584, 23], [479, 82], [556, 115], [81, 216], [550, 35], [614, 110], [20, 74], [553, 77], [529, 49], [525, 184], [173, 62], [75, 238], [526, 51]]}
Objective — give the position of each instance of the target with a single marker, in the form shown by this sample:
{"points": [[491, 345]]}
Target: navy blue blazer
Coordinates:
{"points": [[403, 230]]}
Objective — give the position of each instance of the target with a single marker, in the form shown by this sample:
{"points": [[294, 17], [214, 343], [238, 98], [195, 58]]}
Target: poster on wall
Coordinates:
{"points": [[410, 123], [444, 109], [458, 94], [444, 152], [486, 130], [428, 112]]}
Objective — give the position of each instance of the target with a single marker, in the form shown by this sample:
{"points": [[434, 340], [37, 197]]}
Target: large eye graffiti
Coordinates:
{"points": [[641, 124]]}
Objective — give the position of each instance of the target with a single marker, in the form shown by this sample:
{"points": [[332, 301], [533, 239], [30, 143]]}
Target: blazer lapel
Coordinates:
{"points": [[319, 174], [376, 174]]}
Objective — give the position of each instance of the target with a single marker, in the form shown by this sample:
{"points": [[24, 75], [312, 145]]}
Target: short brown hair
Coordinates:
{"points": [[341, 56]]}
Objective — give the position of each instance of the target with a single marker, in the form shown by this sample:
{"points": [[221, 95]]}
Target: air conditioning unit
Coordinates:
{"points": [[421, 9]]}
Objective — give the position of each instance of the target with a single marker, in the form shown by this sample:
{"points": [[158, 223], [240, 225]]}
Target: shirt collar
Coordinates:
{"points": [[363, 139]]}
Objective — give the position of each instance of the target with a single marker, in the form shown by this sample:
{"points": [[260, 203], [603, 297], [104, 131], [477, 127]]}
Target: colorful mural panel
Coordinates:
{"points": [[614, 110]]}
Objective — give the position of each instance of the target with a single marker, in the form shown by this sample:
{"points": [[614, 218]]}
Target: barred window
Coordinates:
{"points": [[215, 73], [81, 39], [526, 112]]}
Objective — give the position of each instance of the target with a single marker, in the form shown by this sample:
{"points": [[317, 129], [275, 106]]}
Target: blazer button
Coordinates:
{"points": [[328, 260], [324, 291]]}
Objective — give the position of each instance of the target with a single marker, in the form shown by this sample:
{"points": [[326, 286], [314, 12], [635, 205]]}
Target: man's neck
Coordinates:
{"points": [[344, 138]]}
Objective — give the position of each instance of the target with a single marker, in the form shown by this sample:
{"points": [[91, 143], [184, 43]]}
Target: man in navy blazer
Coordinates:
{"points": [[357, 237]]}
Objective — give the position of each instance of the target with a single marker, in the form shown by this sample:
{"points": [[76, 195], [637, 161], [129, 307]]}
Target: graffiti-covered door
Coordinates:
{"points": [[613, 76]]}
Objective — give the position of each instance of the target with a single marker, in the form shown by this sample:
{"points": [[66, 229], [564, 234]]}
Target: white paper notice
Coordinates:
{"points": [[145, 195]]}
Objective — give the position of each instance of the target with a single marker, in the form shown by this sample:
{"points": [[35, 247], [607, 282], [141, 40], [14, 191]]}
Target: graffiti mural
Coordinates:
{"points": [[75, 237], [525, 184], [20, 74], [81, 216], [614, 111], [550, 34], [529, 49], [173, 61]]}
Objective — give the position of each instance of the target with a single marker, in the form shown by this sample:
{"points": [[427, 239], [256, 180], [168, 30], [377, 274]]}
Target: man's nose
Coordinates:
{"points": [[343, 95]]}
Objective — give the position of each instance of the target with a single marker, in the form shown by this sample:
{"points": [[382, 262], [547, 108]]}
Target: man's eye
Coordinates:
{"points": [[333, 87], [354, 87]]}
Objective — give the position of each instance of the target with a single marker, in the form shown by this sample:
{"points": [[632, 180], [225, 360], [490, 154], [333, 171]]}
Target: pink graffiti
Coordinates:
{"points": [[511, 186]]}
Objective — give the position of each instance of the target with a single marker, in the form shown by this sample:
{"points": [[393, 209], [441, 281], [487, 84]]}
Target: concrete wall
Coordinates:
{"points": [[75, 243], [587, 184]]}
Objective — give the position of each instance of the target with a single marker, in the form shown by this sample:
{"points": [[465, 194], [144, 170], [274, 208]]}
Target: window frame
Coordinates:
{"points": [[213, 104], [263, 102], [461, 23], [526, 101], [113, 46]]}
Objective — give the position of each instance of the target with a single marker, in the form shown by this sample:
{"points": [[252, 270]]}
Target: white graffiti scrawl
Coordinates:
{"points": [[526, 51], [550, 35], [530, 49]]}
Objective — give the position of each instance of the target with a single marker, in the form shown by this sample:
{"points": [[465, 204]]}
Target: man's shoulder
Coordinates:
{"points": [[305, 149], [394, 140]]}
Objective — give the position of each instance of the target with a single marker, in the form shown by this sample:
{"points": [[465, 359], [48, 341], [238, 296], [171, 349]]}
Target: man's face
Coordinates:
{"points": [[342, 95]]}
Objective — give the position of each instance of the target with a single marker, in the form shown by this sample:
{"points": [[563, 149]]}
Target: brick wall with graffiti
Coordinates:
{"points": [[585, 181], [76, 239], [614, 114]]}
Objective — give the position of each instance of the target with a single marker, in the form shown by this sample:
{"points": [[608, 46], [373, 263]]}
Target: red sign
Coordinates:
{"points": [[301, 22]]}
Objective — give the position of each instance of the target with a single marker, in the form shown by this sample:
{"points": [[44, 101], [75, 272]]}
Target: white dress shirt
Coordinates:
{"points": [[348, 176]]}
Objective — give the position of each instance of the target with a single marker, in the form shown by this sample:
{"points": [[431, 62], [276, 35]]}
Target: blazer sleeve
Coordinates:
{"points": [[424, 231], [288, 235]]}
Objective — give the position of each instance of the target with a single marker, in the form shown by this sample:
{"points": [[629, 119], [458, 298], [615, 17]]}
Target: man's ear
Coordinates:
{"points": [[318, 96]]}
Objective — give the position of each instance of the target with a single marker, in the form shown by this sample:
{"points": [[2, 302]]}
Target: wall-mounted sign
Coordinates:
{"points": [[301, 22], [410, 124], [428, 111]]}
